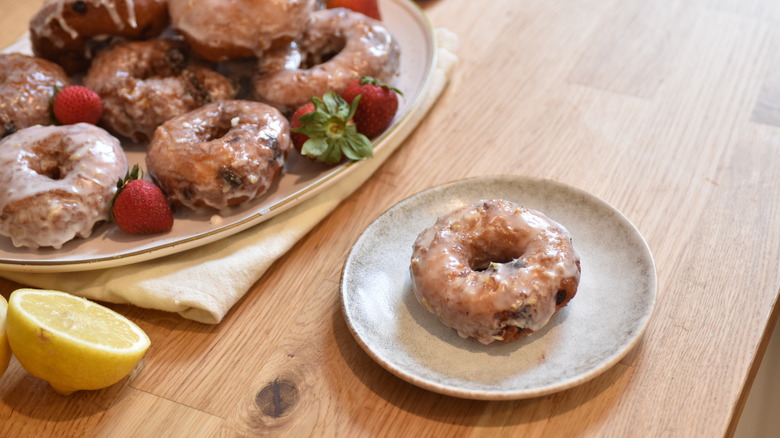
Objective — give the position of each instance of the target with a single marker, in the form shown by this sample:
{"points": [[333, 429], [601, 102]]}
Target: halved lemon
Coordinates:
{"points": [[5, 349], [71, 342]]}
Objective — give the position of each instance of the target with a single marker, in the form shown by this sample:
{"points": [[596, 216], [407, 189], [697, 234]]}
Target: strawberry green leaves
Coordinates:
{"points": [[328, 132]]}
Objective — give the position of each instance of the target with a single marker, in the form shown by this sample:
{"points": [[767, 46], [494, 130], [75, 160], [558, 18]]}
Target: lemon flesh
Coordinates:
{"points": [[71, 342], [5, 348]]}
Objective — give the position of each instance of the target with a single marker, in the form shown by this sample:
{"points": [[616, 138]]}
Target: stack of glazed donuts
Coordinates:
{"points": [[214, 139]]}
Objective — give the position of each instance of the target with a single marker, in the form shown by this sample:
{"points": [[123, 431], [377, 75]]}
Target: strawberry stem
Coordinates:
{"points": [[331, 131], [370, 80], [134, 173]]}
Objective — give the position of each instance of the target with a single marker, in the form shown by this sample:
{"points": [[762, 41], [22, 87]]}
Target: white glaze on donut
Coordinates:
{"points": [[290, 76], [71, 32], [492, 266], [220, 155], [238, 27], [57, 182], [43, 25], [27, 86]]}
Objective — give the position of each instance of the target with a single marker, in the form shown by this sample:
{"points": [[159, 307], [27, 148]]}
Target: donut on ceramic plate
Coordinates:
{"points": [[220, 30], [220, 155], [27, 86], [337, 46], [57, 182], [494, 270], [69, 31], [145, 83]]}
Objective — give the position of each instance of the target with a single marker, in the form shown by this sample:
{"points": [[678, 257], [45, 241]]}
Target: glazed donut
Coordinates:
{"points": [[337, 46], [219, 30], [27, 86], [69, 31], [57, 182], [494, 270], [145, 83], [220, 155]]}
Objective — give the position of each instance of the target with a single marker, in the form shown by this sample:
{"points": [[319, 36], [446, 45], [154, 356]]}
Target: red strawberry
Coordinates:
{"points": [[369, 8], [140, 207], [299, 139], [378, 104], [76, 104], [323, 130]]}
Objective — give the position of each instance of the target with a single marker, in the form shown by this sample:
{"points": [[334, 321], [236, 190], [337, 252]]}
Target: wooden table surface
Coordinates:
{"points": [[667, 110]]}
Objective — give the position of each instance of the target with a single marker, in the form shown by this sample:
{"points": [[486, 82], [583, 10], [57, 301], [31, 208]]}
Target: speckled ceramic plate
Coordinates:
{"points": [[599, 326], [108, 247]]}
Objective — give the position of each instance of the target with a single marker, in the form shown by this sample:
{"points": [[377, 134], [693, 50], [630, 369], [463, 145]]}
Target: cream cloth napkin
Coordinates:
{"points": [[202, 284]]}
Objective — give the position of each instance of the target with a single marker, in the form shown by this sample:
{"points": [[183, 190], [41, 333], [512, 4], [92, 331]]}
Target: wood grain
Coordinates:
{"points": [[668, 110]]}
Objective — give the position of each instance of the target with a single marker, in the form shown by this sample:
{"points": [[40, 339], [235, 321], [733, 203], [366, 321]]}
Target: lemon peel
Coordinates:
{"points": [[71, 342], [5, 348]]}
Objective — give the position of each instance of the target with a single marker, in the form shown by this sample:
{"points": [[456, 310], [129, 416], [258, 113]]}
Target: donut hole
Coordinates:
{"points": [[494, 241], [322, 52], [217, 130], [49, 169], [496, 244], [483, 258], [51, 162]]}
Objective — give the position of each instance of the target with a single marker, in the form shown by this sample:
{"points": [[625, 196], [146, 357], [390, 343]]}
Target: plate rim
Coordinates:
{"points": [[261, 213], [497, 395]]}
